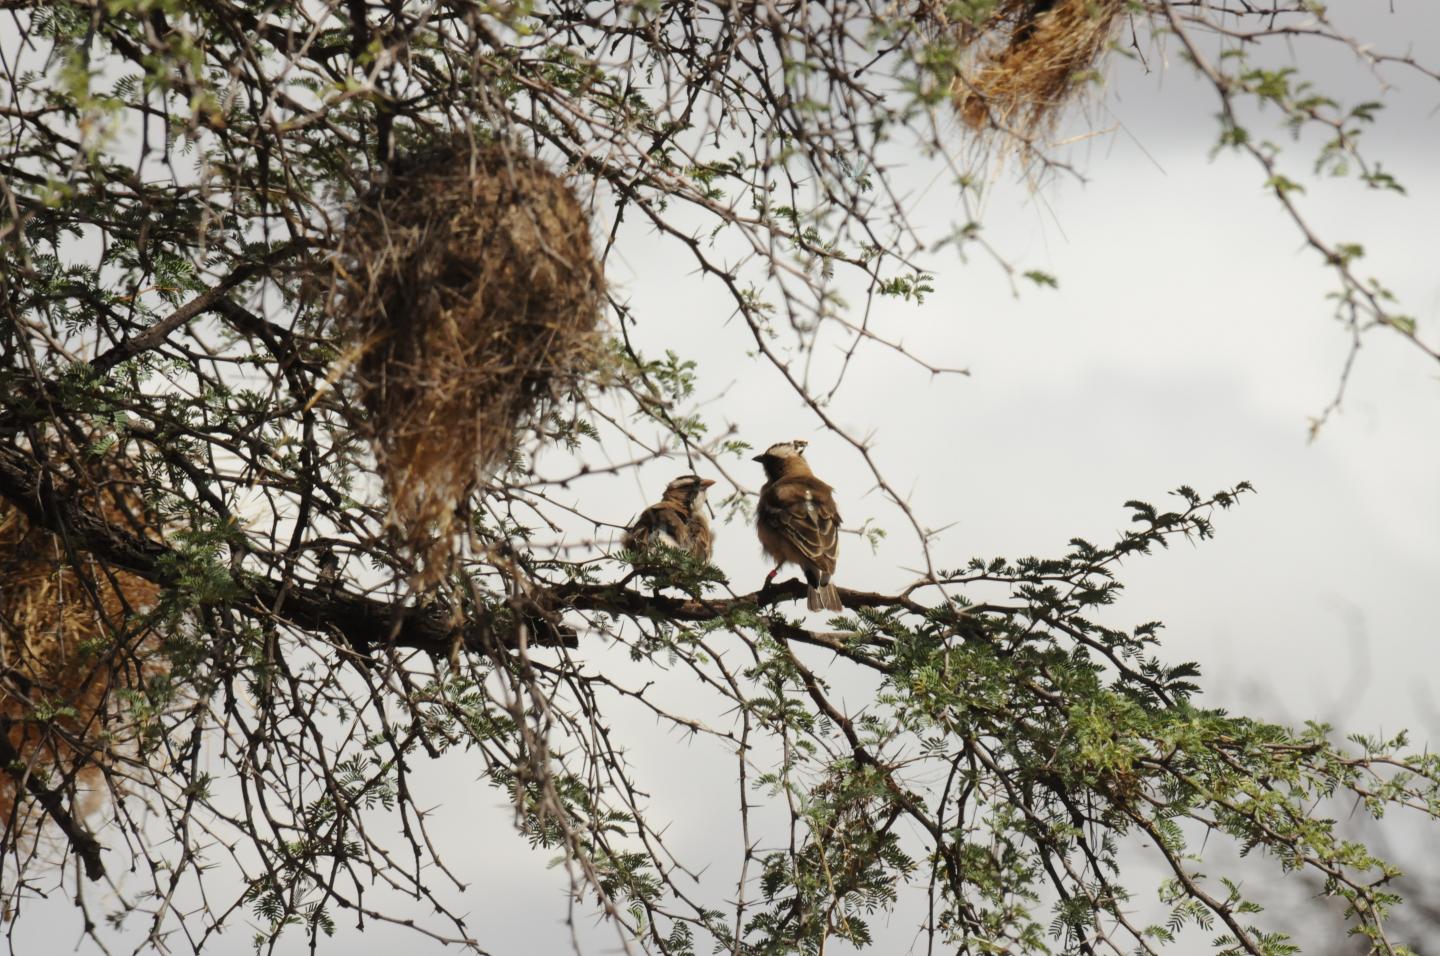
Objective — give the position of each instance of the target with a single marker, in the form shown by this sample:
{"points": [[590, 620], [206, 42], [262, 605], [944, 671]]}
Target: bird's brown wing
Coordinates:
{"points": [[663, 523], [702, 540], [802, 510]]}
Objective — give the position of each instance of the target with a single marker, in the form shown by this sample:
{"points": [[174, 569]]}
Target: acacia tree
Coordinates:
{"points": [[206, 575]]}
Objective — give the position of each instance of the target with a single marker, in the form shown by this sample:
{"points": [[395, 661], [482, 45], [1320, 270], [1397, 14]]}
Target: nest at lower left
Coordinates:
{"points": [[74, 633]]}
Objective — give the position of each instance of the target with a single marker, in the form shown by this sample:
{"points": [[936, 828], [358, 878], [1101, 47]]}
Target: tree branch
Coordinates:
{"points": [[366, 623], [81, 839], [197, 306]]}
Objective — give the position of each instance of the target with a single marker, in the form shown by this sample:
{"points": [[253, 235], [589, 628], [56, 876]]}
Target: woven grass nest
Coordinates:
{"points": [[1028, 60], [469, 289], [71, 636]]}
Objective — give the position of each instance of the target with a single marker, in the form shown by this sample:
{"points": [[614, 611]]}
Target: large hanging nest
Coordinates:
{"points": [[72, 634], [1028, 59], [469, 290]]}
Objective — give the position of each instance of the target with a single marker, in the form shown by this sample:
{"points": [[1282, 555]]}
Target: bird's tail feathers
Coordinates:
{"points": [[824, 598]]}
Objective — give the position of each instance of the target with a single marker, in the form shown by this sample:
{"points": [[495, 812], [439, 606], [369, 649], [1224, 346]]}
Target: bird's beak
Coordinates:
{"points": [[758, 458], [706, 482]]}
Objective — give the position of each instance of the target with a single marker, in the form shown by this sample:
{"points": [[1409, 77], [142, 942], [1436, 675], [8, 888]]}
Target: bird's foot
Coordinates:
{"points": [[769, 583]]}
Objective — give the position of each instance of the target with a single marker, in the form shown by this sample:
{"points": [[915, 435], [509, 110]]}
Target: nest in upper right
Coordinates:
{"points": [[1027, 60]]}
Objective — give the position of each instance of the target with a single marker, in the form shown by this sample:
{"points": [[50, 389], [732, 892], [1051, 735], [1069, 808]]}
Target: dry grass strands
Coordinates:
{"points": [[1028, 60], [469, 288], [71, 635]]}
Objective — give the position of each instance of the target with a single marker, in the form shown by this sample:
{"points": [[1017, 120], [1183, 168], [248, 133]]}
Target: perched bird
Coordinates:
{"points": [[677, 520], [798, 522], [329, 564]]}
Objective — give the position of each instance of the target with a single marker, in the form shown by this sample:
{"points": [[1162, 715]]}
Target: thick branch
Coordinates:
{"points": [[617, 599], [81, 839], [366, 623], [363, 622]]}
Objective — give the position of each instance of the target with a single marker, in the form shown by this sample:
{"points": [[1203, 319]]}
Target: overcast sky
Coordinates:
{"points": [[1189, 342]]}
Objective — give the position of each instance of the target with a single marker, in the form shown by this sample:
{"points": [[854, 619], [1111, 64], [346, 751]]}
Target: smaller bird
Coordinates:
{"points": [[677, 520], [797, 521], [329, 564]]}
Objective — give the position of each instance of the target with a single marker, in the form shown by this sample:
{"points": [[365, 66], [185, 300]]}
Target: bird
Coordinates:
{"points": [[677, 520], [797, 522], [329, 564]]}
